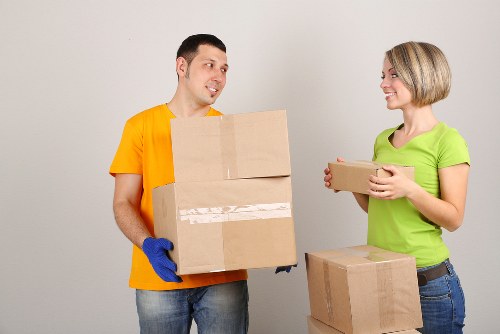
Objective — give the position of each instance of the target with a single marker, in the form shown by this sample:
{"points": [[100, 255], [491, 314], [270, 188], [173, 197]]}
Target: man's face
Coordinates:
{"points": [[205, 78]]}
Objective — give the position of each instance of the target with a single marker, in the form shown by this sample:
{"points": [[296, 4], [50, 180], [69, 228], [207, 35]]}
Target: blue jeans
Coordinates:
{"points": [[219, 308], [443, 304]]}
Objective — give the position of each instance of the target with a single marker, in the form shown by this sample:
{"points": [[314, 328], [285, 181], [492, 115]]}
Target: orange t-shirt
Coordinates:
{"points": [[146, 149]]}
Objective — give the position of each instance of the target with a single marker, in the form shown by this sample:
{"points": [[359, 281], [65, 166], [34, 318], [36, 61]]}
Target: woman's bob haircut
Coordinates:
{"points": [[423, 69]]}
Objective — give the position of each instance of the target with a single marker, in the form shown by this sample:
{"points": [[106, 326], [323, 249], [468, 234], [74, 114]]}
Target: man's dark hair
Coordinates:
{"points": [[189, 48]]}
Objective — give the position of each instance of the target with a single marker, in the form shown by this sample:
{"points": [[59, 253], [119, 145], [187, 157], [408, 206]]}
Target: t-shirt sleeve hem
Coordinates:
{"points": [[114, 171]]}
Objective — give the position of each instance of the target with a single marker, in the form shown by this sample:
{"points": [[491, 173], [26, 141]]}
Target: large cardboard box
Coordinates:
{"points": [[231, 205], [227, 225], [364, 289], [353, 175], [315, 326]]}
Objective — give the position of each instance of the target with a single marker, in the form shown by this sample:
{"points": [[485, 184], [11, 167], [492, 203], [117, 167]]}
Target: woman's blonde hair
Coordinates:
{"points": [[423, 69]]}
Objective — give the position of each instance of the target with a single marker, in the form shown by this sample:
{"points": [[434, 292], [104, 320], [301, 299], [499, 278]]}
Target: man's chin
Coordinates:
{"points": [[212, 99]]}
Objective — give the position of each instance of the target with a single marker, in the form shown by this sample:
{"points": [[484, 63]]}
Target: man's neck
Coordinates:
{"points": [[182, 108]]}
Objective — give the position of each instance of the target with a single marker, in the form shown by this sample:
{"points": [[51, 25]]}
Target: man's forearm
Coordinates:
{"points": [[130, 222]]}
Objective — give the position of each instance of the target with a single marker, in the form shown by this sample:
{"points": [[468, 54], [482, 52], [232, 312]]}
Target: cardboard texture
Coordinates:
{"points": [[227, 225], [231, 205], [364, 289], [231, 147], [353, 175], [315, 326]]}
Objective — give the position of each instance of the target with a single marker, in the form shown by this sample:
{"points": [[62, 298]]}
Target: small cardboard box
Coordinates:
{"points": [[231, 205], [353, 175], [364, 289], [227, 225]]}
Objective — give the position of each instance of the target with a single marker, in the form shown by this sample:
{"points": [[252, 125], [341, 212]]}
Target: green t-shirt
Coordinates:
{"points": [[397, 225]]}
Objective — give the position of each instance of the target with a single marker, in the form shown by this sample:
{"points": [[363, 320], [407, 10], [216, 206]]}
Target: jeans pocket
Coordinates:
{"points": [[437, 289]]}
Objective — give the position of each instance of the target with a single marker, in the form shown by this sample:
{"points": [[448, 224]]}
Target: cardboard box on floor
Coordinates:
{"points": [[364, 289], [315, 326], [353, 175], [231, 205]]}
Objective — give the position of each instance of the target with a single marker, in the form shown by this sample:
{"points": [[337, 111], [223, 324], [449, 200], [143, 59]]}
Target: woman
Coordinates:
{"points": [[407, 216]]}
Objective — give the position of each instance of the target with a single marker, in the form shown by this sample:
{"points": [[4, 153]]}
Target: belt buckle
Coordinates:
{"points": [[422, 279]]}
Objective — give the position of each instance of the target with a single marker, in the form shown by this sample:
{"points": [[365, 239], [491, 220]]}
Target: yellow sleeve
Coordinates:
{"points": [[129, 156]]}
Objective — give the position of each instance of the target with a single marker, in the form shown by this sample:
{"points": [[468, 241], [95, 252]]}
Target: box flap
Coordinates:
{"points": [[229, 147]]}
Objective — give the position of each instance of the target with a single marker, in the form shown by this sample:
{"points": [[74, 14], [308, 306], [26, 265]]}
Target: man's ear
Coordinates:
{"points": [[181, 66]]}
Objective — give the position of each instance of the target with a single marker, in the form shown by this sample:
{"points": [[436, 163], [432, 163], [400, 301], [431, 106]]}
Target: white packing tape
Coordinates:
{"points": [[235, 213]]}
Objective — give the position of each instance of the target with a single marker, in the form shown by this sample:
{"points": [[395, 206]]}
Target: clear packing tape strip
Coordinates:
{"points": [[235, 213]]}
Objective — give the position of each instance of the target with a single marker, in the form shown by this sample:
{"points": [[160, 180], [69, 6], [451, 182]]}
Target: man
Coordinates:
{"points": [[167, 303]]}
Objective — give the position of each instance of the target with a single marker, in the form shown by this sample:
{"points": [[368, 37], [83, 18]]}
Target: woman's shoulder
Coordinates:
{"points": [[447, 133]]}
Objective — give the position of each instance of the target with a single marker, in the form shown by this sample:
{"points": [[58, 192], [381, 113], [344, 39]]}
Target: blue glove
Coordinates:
{"points": [[156, 251], [284, 268]]}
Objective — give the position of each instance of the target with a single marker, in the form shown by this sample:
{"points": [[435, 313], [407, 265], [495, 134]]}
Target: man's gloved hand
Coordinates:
{"points": [[284, 268], [156, 251]]}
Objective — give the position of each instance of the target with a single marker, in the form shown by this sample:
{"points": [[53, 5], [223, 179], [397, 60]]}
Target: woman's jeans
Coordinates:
{"points": [[219, 308], [443, 304]]}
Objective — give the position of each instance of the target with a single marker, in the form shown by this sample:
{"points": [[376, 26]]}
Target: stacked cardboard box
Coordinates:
{"points": [[231, 205], [317, 327], [353, 175], [364, 290]]}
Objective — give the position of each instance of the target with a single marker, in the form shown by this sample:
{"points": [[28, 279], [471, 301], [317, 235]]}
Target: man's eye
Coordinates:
{"points": [[210, 65], [382, 77], [223, 70]]}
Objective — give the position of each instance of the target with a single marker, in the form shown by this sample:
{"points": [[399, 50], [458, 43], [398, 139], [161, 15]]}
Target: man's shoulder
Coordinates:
{"points": [[150, 111], [147, 114]]}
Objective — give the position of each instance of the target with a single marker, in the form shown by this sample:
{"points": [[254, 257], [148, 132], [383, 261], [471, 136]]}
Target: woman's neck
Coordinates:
{"points": [[418, 120]]}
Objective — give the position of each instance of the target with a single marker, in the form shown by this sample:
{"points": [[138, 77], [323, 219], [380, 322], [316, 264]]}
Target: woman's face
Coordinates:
{"points": [[396, 94]]}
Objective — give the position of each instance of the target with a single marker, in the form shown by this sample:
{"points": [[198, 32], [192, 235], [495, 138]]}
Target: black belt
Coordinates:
{"points": [[432, 273]]}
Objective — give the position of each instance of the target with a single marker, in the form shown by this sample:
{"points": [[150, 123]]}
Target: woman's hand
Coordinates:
{"points": [[396, 186], [328, 175], [362, 199]]}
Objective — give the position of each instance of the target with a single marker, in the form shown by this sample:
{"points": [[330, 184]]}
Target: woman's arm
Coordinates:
{"points": [[362, 200], [447, 212]]}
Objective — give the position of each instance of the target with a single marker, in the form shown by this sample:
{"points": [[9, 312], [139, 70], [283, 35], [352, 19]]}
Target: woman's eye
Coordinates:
{"points": [[394, 75]]}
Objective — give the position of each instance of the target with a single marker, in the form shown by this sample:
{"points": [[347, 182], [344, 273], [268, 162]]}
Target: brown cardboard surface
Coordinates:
{"points": [[227, 225], [364, 289], [353, 175], [230, 146], [317, 327]]}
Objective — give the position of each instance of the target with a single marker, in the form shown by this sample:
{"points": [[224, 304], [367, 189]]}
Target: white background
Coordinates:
{"points": [[72, 72]]}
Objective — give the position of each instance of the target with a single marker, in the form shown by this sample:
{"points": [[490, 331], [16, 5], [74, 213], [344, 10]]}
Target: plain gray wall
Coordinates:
{"points": [[72, 72]]}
